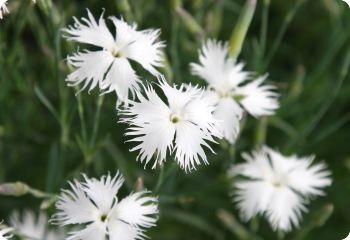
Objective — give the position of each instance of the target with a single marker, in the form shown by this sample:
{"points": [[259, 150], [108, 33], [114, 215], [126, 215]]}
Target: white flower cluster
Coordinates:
{"points": [[168, 120]]}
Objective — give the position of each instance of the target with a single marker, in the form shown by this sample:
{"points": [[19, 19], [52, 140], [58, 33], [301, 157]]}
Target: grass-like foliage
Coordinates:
{"points": [[52, 132]]}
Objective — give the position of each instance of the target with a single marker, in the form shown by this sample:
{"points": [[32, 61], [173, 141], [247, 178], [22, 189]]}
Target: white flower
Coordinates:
{"points": [[277, 186], [4, 233], [3, 8], [109, 68], [348, 237], [183, 124], [93, 203], [235, 89], [33, 227]]}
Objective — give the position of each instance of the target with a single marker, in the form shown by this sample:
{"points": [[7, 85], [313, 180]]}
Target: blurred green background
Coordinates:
{"points": [[302, 44]]}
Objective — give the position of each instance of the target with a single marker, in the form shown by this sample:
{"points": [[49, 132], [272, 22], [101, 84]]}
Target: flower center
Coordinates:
{"points": [[174, 118], [116, 53], [103, 217], [278, 181]]}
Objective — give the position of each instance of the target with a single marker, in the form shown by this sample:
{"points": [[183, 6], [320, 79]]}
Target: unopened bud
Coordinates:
{"points": [[14, 189], [139, 186]]}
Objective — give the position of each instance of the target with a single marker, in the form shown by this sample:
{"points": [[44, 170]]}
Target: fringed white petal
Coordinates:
{"points": [[252, 197], [74, 207], [229, 114], [28, 224], [138, 209], [103, 191], [90, 68], [5, 233], [212, 59], [189, 142], [309, 178], [3, 8], [285, 209], [151, 126], [220, 71], [122, 79], [119, 230], [93, 231], [91, 32], [146, 50], [140, 46], [259, 99]]}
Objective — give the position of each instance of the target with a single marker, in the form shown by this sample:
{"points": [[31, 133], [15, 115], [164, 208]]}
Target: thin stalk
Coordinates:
{"points": [[264, 27], [174, 48], [160, 179], [280, 235], [287, 20], [328, 102], [100, 101], [261, 131], [81, 117]]}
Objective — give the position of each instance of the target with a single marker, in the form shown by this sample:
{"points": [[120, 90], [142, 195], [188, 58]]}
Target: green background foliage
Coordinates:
{"points": [[48, 135]]}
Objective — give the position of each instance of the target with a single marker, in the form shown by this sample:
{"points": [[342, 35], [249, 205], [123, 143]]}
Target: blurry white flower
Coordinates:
{"points": [[347, 2], [32, 227], [235, 89], [109, 68], [4, 233], [3, 8], [93, 203], [348, 237], [183, 124], [277, 186]]}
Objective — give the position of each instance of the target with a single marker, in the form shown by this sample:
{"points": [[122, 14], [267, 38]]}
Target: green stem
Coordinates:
{"points": [[160, 179], [96, 121], [263, 29], [261, 131], [81, 117], [287, 20]]}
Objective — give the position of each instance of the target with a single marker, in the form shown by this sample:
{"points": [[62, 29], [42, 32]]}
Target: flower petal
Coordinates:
{"points": [[103, 191], [150, 120], [138, 209], [308, 178], [140, 46], [3, 8], [252, 197], [91, 67], [189, 141], [221, 72], [91, 32], [93, 231], [258, 99], [74, 207], [229, 114], [119, 230], [284, 209], [122, 79]]}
